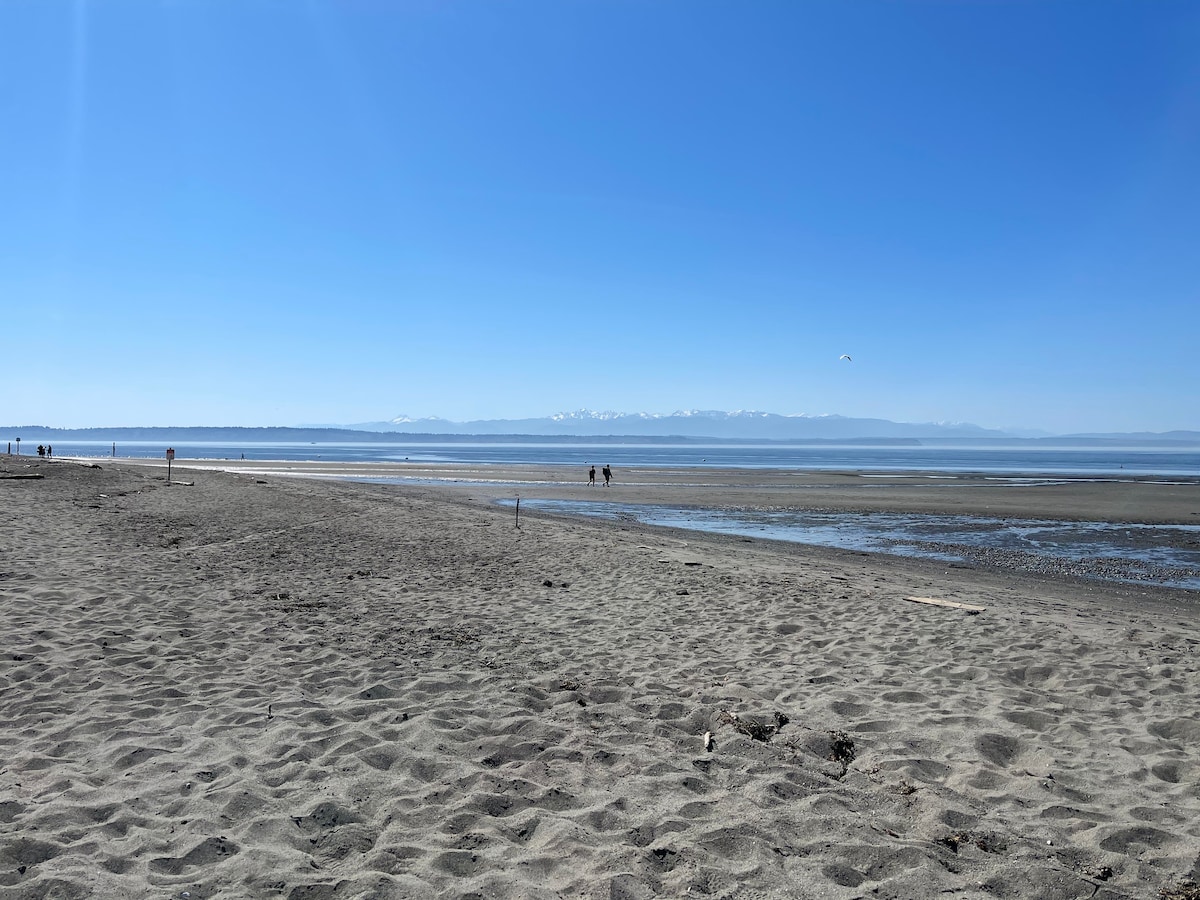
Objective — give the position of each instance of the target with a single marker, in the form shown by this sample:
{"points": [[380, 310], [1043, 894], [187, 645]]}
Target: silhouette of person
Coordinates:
{"points": [[607, 473], [49, 451], [592, 476], [41, 450]]}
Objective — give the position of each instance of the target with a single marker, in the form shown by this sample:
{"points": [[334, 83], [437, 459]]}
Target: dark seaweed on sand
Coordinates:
{"points": [[752, 729]]}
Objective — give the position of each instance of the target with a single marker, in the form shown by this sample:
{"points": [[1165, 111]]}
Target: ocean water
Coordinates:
{"points": [[1032, 459]]}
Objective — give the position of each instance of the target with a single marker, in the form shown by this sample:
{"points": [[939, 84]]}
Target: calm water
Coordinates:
{"points": [[1034, 459], [1162, 554]]}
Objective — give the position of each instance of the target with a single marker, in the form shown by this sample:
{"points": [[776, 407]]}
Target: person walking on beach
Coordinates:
{"points": [[607, 472], [592, 477]]}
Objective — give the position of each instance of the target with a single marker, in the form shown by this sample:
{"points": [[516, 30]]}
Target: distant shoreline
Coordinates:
{"points": [[32, 434]]}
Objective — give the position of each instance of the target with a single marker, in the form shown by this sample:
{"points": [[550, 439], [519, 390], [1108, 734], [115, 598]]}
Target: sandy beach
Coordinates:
{"points": [[251, 684]]}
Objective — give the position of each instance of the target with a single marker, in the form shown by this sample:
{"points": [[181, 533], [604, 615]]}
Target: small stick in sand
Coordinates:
{"points": [[969, 608]]}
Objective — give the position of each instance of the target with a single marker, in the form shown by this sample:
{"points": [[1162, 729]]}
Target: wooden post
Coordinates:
{"points": [[170, 456], [518, 510]]}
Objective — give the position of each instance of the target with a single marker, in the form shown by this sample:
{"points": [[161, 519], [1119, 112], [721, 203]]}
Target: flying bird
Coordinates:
{"points": [[845, 357]]}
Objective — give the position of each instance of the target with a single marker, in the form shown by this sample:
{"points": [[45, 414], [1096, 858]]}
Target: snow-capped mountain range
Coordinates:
{"points": [[740, 424]]}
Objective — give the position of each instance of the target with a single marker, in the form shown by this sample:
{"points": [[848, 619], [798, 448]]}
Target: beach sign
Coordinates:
{"points": [[170, 457]]}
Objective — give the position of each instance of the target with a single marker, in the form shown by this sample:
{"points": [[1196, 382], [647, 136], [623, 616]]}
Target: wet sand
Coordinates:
{"points": [[1140, 499], [253, 685]]}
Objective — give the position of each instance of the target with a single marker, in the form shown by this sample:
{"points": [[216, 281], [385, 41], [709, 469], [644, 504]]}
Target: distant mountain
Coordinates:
{"points": [[609, 427], [1185, 437], [740, 425]]}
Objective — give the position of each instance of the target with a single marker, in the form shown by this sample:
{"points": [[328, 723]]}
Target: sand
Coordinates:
{"points": [[249, 685]]}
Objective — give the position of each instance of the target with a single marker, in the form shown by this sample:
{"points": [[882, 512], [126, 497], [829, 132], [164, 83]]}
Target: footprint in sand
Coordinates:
{"points": [[207, 852]]}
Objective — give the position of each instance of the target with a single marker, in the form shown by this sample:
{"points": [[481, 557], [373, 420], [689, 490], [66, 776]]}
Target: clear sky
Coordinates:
{"points": [[275, 212]]}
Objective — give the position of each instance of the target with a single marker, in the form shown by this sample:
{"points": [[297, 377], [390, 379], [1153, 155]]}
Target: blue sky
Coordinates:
{"points": [[274, 212]]}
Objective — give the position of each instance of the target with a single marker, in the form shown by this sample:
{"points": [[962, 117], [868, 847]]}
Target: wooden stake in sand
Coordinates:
{"points": [[170, 457], [970, 608]]}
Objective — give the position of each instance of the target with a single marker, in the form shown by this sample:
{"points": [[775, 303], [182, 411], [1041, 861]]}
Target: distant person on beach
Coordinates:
{"points": [[607, 472], [41, 450], [49, 451], [591, 476]]}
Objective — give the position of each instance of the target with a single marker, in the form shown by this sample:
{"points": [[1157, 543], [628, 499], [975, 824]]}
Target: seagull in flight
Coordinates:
{"points": [[846, 357]]}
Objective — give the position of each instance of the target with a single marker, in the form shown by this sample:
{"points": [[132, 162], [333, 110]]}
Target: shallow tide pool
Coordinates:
{"points": [[1168, 555]]}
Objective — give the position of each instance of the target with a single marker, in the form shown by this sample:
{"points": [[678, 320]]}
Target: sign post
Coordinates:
{"points": [[170, 457]]}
